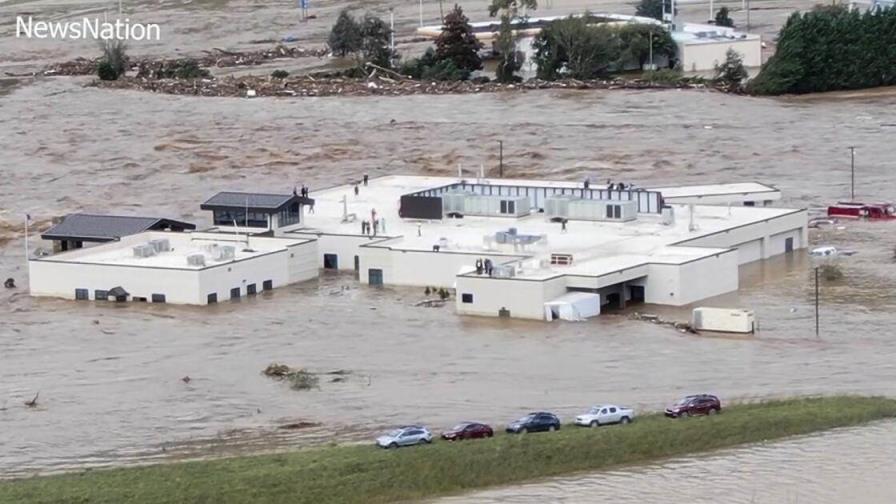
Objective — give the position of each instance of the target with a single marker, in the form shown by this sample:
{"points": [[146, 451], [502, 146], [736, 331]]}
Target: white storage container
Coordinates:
{"points": [[731, 320]]}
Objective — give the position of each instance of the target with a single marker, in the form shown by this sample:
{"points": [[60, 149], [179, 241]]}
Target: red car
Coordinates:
{"points": [[702, 404], [468, 430], [855, 210]]}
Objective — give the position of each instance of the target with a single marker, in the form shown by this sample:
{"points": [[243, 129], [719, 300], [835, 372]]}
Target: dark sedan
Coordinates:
{"points": [[468, 430], [535, 422]]}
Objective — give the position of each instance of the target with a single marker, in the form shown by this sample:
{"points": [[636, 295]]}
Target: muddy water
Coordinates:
{"points": [[818, 469], [110, 376]]}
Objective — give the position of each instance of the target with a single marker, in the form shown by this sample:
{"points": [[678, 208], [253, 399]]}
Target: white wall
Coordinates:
{"points": [[60, 279], [704, 56], [678, 285], [344, 246], [771, 233], [524, 298]]}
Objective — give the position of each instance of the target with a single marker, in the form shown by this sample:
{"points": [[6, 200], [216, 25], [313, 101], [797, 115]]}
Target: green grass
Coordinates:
{"points": [[365, 474]]}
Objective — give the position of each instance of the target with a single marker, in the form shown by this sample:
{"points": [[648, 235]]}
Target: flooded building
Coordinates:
{"points": [[74, 230], [518, 248], [171, 267]]}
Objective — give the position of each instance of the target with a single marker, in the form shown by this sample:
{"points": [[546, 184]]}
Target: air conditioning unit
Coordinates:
{"points": [[145, 250], [161, 245], [226, 253], [196, 259]]}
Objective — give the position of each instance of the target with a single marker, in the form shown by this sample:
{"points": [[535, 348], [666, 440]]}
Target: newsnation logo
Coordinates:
{"points": [[86, 29]]}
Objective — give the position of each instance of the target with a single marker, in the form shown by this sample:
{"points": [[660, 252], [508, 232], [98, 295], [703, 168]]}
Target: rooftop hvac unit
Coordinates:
{"points": [[145, 250], [557, 206], [196, 259], [226, 253], [161, 245], [668, 216]]}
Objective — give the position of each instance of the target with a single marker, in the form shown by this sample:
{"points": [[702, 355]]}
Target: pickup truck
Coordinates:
{"points": [[605, 414]]}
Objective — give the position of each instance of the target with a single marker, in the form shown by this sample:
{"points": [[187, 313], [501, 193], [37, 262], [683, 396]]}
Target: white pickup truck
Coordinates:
{"points": [[605, 414]]}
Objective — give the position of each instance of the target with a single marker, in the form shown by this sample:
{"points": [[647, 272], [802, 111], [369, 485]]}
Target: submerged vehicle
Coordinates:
{"points": [[857, 210]]}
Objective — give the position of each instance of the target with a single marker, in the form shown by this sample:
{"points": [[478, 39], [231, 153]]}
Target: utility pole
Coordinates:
{"points": [[711, 10], [816, 301], [652, 67], [392, 36], [748, 16], [421, 13], [501, 158], [852, 171]]}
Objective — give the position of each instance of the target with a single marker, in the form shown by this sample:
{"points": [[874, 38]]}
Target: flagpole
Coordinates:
{"points": [[27, 220]]}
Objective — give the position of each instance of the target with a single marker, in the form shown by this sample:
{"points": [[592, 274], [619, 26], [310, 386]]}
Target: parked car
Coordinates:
{"points": [[702, 404], [605, 414], [468, 430], [405, 436], [535, 422]]}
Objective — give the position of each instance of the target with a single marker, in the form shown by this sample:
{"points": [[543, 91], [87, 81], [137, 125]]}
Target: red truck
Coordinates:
{"points": [[856, 210]]}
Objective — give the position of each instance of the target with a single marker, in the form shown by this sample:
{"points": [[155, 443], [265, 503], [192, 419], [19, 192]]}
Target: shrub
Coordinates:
{"points": [[279, 74], [723, 19], [113, 62], [302, 380], [731, 73], [663, 75], [189, 69]]}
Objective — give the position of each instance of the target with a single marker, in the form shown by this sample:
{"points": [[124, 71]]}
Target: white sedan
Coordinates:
{"points": [[605, 414]]}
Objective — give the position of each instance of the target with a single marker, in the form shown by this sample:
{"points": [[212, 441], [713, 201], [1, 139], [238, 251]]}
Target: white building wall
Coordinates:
{"points": [[793, 225], [60, 279], [681, 284], [523, 298], [704, 56], [346, 247], [221, 278]]}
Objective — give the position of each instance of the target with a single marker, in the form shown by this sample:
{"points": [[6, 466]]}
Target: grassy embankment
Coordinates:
{"points": [[364, 474]]}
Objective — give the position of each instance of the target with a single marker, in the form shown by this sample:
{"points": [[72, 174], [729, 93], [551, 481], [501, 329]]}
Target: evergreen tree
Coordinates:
{"points": [[113, 63], [458, 44], [345, 37], [510, 60], [375, 39], [723, 19], [731, 73]]}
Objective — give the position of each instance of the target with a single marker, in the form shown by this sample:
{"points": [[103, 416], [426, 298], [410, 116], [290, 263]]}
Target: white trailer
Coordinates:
{"points": [[731, 320]]}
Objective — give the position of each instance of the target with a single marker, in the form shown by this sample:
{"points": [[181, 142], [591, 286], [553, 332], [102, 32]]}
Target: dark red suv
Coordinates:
{"points": [[703, 404], [468, 430]]}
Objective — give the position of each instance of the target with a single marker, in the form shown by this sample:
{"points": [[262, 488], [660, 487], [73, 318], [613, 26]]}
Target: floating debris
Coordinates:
{"points": [[299, 425], [656, 319], [299, 379]]}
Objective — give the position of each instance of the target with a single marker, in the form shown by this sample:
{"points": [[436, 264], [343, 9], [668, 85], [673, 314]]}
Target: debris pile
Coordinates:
{"points": [[215, 58], [308, 85], [656, 319], [299, 379]]}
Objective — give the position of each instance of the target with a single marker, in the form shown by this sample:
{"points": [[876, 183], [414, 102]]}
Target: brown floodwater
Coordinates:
{"points": [[110, 377]]}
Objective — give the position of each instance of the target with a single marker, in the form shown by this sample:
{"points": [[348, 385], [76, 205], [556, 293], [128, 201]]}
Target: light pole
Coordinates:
{"points": [[852, 171], [421, 13], [501, 158], [816, 301]]}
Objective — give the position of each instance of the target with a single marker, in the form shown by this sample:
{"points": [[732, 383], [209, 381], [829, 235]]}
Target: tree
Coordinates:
{"points": [[345, 37], [458, 44], [651, 8], [113, 62], [572, 47], [375, 41], [510, 60], [723, 19], [635, 42], [731, 73]]}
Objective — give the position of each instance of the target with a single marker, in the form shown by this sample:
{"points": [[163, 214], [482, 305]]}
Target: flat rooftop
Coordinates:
{"points": [[739, 188], [597, 247], [183, 244]]}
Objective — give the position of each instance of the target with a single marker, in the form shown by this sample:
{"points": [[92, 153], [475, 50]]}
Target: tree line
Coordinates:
{"points": [[831, 48]]}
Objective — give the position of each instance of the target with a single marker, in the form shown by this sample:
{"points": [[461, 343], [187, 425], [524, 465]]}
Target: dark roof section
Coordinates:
{"points": [[104, 228], [257, 202]]}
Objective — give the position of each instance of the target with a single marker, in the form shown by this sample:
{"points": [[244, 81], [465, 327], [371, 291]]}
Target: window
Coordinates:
{"points": [[603, 411], [331, 261], [612, 410], [229, 217], [250, 289], [101, 295], [267, 285], [158, 298], [82, 294], [235, 293], [466, 298], [139, 299], [617, 212], [289, 215], [609, 211], [508, 207], [212, 298]]}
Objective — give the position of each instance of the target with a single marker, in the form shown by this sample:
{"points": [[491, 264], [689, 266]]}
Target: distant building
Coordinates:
{"points": [[702, 47], [76, 229]]}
